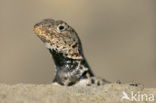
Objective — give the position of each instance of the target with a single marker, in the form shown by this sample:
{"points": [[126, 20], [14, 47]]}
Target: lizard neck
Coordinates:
{"points": [[68, 69]]}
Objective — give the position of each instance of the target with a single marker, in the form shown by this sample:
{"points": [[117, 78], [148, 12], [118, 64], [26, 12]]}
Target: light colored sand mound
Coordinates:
{"points": [[110, 93]]}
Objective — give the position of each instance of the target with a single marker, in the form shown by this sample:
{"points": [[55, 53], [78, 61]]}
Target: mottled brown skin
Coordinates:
{"points": [[65, 47], [66, 50], [65, 41]]}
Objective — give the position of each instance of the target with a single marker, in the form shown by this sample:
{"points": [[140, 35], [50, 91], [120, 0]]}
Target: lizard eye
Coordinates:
{"points": [[61, 27]]}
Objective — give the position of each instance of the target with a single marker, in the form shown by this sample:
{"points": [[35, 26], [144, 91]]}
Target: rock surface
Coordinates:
{"points": [[50, 93]]}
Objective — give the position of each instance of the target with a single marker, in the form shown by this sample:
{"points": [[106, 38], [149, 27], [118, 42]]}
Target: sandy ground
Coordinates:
{"points": [[50, 93]]}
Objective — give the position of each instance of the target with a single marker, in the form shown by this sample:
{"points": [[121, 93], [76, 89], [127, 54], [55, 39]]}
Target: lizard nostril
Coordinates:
{"points": [[36, 25]]}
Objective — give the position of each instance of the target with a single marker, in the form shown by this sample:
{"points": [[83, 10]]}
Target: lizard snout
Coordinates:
{"points": [[36, 29], [36, 25]]}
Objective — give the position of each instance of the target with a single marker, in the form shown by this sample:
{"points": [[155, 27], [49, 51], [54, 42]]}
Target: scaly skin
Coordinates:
{"points": [[65, 47]]}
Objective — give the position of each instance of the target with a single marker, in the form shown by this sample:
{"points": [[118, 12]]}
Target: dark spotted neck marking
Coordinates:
{"points": [[68, 70]]}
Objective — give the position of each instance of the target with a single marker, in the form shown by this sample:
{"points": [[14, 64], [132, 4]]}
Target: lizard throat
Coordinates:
{"points": [[60, 59], [69, 71]]}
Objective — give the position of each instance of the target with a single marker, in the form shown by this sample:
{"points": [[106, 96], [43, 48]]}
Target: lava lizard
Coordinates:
{"points": [[64, 44]]}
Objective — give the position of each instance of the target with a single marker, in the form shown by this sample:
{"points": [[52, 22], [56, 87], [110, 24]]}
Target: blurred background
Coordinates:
{"points": [[118, 38]]}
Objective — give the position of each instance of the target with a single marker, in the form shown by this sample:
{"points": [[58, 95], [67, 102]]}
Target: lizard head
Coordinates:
{"points": [[59, 36]]}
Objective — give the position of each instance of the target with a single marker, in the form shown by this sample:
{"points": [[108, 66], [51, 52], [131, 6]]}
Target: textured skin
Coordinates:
{"points": [[65, 47]]}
